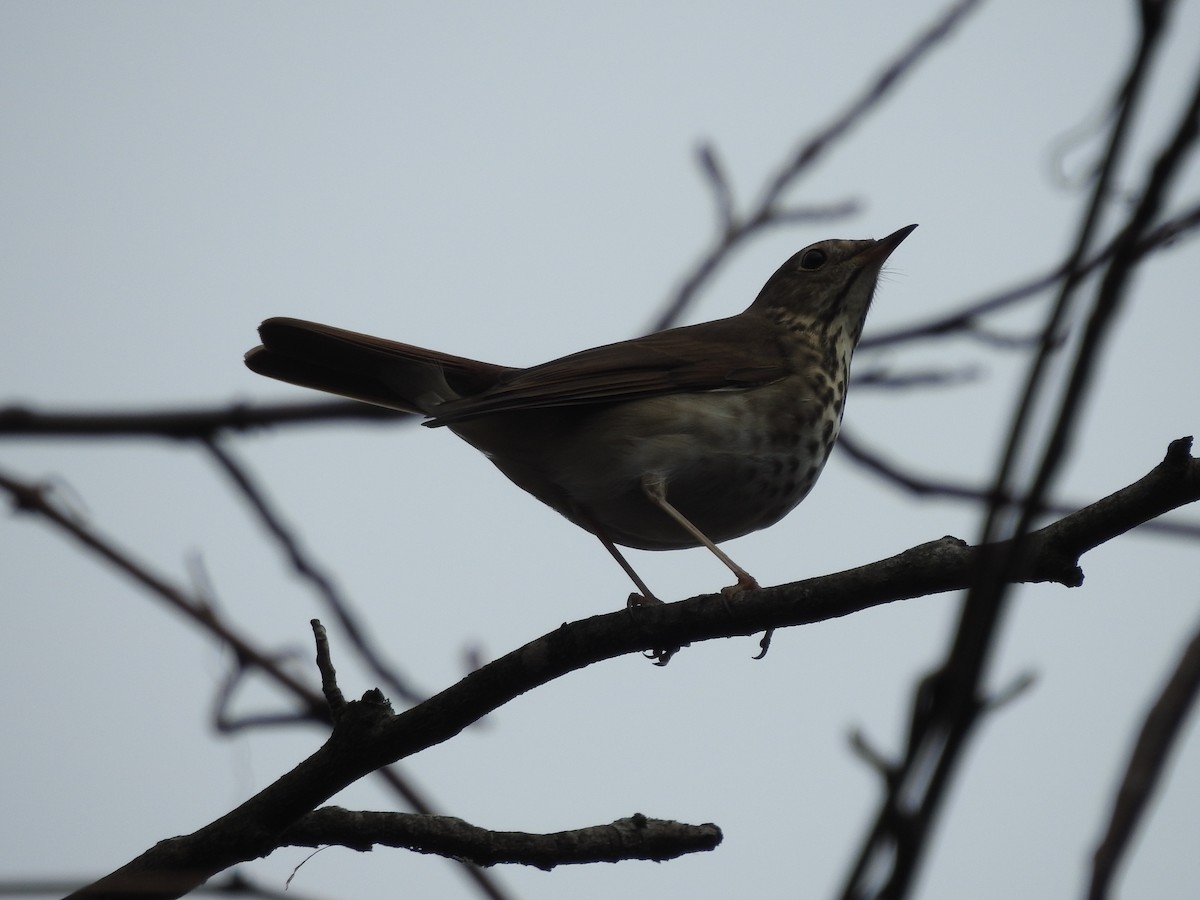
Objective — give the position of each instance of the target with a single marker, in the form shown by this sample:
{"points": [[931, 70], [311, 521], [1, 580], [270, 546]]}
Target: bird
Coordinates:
{"points": [[685, 437]]}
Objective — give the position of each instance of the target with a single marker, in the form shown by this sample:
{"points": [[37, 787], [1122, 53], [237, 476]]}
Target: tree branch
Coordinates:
{"points": [[923, 486], [767, 212], [308, 569], [1159, 733], [964, 319], [39, 500], [946, 704], [368, 735], [21, 421], [635, 837]]}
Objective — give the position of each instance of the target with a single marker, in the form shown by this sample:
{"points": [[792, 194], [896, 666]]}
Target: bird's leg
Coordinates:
{"points": [[655, 489], [646, 597], [660, 655]]}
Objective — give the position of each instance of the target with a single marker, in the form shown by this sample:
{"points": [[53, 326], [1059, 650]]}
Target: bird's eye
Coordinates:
{"points": [[813, 259]]}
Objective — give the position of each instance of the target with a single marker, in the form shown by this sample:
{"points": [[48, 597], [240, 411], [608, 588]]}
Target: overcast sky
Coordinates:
{"points": [[514, 182]]}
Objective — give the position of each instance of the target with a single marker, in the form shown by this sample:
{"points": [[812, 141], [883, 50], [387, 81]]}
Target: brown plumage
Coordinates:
{"points": [[686, 437]]}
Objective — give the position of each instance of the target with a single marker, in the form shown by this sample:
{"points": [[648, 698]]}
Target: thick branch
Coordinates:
{"points": [[369, 735], [636, 837]]}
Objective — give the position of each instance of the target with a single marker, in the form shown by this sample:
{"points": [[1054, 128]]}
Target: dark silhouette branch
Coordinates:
{"points": [[369, 735], [199, 424], [235, 884], [946, 704], [881, 378], [1159, 733], [924, 486], [635, 837], [308, 569], [42, 501], [964, 319], [768, 211]]}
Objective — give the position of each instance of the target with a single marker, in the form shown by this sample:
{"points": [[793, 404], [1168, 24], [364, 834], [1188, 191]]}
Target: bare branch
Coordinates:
{"points": [[20, 421], [304, 565], [718, 183], [923, 486], [963, 319], [882, 378], [368, 735], [768, 212], [946, 703], [39, 500], [235, 884], [329, 686], [636, 837], [1159, 733]]}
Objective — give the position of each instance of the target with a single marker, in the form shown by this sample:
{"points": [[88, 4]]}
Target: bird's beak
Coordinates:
{"points": [[883, 248]]}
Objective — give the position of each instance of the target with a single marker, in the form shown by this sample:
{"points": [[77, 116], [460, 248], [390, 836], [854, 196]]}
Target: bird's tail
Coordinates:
{"points": [[370, 369]]}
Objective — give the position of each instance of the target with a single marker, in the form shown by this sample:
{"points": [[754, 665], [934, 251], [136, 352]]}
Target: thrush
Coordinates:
{"points": [[686, 437]]}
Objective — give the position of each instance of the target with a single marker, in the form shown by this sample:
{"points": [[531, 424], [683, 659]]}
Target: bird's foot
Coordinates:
{"points": [[765, 643], [636, 599], [660, 656], [745, 582], [748, 583]]}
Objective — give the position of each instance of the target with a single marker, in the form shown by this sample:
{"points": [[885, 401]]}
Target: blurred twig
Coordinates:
{"points": [[1159, 733], [307, 568], [964, 319], [768, 211], [947, 703], [235, 884], [34, 498], [923, 486], [198, 424]]}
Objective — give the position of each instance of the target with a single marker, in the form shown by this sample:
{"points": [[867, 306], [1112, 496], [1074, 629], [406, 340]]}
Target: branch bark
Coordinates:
{"points": [[368, 735], [634, 837]]}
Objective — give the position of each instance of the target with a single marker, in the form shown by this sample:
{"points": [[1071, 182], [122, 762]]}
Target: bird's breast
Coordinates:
{"points": [[733, 461]]}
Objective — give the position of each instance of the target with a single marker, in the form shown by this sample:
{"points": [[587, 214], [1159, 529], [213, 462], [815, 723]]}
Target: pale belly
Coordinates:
{"points": [[728, 468]]}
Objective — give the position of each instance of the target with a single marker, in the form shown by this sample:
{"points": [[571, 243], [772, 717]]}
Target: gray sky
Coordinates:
{"points": [[515, 182]]}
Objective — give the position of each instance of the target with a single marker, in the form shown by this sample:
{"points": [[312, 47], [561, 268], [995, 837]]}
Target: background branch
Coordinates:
{"points": [[767, 212], [1147, 763], [946, 703]]}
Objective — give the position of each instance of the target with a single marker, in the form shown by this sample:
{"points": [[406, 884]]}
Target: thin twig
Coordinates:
{"points": [[329, 686], [1146, 765], [767, 212], [923, 486], [963, 318], [307, 568], [37, 499], [20, 421], [947, 703]]}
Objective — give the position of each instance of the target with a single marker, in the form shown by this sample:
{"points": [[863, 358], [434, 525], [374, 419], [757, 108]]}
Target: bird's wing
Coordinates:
{"points": [[733, 353]]}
